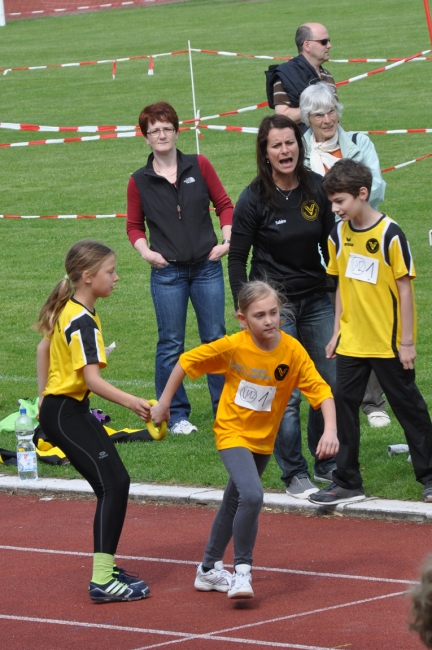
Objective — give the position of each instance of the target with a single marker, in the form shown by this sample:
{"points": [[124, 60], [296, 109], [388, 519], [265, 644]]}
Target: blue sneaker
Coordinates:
{"points": [[131, 578], [115, 591]]}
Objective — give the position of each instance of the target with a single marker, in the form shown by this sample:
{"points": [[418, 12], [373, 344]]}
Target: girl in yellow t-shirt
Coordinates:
{"points": [[69, 359], [262, 365]]}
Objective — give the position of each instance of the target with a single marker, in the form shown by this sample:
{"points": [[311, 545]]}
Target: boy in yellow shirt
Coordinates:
{"points": [[374, 329]]}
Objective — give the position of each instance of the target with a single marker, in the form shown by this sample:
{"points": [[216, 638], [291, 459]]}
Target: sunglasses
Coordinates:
{"points": [[323, 41]]}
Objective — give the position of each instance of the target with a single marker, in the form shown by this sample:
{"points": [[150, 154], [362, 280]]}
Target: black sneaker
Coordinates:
{"points": [[115, 591], [334, 494], [130, 578], [427, 492]]}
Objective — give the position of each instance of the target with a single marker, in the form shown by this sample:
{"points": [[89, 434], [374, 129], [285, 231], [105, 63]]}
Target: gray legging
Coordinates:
{"points": [[237, 516]]}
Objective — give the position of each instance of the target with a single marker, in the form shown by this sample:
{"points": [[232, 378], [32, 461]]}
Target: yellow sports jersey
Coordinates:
{"points": [[258, 385], [368, 263], [75, 342]]}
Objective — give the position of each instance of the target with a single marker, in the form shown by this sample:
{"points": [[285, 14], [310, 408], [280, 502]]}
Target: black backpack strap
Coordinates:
{"points": [[270, 79], [354, 137]]}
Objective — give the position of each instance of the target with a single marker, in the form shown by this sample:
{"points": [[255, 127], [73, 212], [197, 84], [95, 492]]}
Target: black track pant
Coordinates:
{"points": [[409, 407], [70, 426]]}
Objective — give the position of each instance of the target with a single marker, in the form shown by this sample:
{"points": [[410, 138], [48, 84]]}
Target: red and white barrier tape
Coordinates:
{"points": [[110, 216], [396, 58], [338, 83], [288, 58], [86, 63], [16, 126], [254, 129], [64, 140], [69, 10], [106, 136], [235, 112], [410, 162], [213, 127], [384, 69], [397, 131], [247, 56], [203, 51], [58, 129]]}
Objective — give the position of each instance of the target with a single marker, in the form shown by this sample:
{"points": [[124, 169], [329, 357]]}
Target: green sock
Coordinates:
{"points": [[102, 568]]}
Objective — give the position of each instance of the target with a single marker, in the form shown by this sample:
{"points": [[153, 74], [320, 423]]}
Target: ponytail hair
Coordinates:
{"points": [[85, 255]]}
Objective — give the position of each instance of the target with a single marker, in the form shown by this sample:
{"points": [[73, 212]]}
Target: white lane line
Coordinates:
{"points": [[138, 558], [98, 626], [213, 636], [185, 635], [310, 612], [217, 634]]}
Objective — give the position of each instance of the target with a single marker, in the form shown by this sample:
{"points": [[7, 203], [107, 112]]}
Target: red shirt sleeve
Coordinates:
{"points": [[220, 199], [135, 222]]}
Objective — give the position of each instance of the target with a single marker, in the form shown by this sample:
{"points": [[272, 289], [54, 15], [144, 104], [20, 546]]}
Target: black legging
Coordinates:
{"points": [[69, 425]]}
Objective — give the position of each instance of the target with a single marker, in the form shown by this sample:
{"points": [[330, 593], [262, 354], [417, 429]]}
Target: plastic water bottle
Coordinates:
{"points": [[26, 450]]}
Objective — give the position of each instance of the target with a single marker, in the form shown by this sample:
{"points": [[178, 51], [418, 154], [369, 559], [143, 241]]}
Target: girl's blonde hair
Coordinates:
{"points": [[85, 255], [256, 290]]}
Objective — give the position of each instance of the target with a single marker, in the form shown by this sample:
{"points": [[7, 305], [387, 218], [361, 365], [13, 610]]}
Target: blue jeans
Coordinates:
{"points": [[311, 322], [171, 288]]}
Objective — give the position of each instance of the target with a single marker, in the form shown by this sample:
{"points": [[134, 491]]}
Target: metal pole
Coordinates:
{"points": [[193, 98], [428, 18], [2, 14]]}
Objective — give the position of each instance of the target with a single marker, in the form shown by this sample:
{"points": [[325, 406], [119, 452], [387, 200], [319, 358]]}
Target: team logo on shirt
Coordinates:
{"points": [[372, 245], [281, 371], [310, 210]]}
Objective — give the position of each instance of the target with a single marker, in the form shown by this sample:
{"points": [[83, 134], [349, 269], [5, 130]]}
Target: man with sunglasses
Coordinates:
{"points": [[286, 82]]}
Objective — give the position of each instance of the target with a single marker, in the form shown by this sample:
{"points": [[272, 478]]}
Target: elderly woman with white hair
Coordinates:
{"points": [[327, 142]]}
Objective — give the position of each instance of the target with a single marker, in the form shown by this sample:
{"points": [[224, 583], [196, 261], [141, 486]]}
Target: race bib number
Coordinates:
{"points": [[254, 397], [362, 268]]}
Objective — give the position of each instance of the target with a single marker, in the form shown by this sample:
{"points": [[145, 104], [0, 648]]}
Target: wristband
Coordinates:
{"points": [[407, 345], [226, 241]]}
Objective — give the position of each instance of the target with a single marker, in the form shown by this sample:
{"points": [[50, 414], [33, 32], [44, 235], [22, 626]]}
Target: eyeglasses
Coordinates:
{"points": [[323, 41], [167, 130], [320, 116]]}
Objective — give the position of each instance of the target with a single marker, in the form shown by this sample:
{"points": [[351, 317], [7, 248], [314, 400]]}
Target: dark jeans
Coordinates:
{"points": [[312, 324], [171, 288], [404, 398]]}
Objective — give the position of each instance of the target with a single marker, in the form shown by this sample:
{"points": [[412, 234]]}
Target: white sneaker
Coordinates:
{"points": [[241, 582], [183, 426], [378, 419], [217, 579]]}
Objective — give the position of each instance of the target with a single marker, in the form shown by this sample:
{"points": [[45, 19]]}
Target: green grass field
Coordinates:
{"points": [[91, 178]]}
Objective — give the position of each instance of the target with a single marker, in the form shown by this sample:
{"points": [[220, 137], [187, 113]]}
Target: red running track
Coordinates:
{"points": [[320, 582]]}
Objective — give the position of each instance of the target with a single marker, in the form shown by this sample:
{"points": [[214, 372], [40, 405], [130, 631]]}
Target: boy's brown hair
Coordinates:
{"points": [[347, 176]]}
